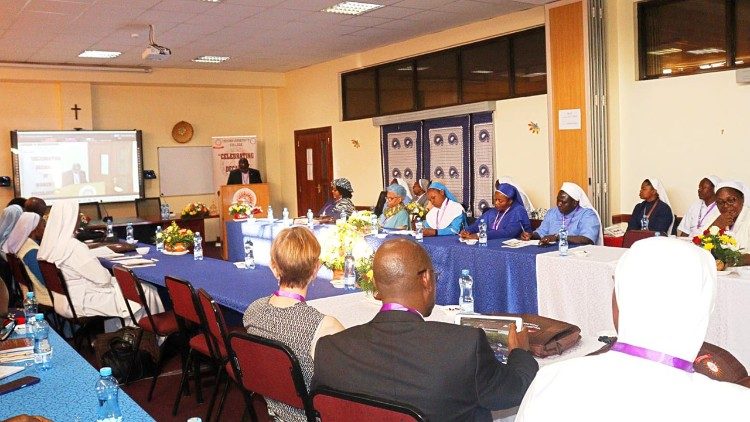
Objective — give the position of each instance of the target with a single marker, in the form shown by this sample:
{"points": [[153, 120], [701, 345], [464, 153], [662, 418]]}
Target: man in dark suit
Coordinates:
{"points": [[447, 371], [244, 174], [74, 176]]}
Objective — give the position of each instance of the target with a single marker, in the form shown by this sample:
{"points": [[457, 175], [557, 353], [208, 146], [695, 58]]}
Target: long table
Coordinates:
{"points": [[504, 278], [578, 289], [65, 392]]}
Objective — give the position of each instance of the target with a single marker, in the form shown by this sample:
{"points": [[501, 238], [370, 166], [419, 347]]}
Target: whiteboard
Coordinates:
{"points": [[185, 171]]}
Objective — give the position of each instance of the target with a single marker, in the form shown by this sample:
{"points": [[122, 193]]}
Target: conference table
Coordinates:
{"points": [[65, 392], [578, 289], [504, 278]]}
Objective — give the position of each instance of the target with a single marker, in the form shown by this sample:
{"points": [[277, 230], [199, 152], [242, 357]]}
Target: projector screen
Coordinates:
{"points": [[88, 166]]}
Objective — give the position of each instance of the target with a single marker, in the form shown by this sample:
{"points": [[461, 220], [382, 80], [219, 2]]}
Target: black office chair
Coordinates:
{"points": [[380, 204], [148, 208], [91, 209]]}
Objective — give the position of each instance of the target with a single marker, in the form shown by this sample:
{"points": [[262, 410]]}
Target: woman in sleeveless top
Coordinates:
{"points": [[284, 316]]}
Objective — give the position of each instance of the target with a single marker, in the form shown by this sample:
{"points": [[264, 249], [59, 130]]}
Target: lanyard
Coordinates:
{"points": [[444, 208], [701, 217], [497, 222], [393, 306], [290, 295], [572, 214], [651, 210], [652, 355]]}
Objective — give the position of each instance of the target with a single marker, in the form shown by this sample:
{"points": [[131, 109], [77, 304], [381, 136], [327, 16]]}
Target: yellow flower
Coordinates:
{"points": [[708, 246], [370, 274]]}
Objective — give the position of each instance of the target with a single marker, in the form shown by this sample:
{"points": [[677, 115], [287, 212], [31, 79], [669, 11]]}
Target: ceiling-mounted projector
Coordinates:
{"points": [[154, 51]]}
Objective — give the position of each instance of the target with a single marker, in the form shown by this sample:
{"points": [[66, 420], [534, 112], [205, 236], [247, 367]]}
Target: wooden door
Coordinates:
{"points": [[314, 164]]}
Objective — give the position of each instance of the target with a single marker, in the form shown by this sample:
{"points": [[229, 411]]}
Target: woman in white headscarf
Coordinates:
{"points": [[25, 248], [655, 207], [420, 192], [575, 212], [702, 212], [93, 290], [8, 221], [665, 292], [734, 214]]}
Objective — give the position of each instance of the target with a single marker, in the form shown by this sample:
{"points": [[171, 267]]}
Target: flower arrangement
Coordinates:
{"points": [[347, 236], [722, 246], [195, 210], [83, 220], [242, 209], [176, 239], [415, 209], [361, 221]]}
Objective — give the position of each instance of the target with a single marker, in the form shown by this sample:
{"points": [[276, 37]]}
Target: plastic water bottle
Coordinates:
{"points": [[285, 216], [644, 222], [562, 241], [42, 348], [197, 247], [129, 233], [163, 211], [106, 391], [270, 213], [418, 233], [30, 309], [374, 228], [110, 229], [159, 239], [249, 256], [466, 300], [310, 223], [350, 272], [482, 233]]}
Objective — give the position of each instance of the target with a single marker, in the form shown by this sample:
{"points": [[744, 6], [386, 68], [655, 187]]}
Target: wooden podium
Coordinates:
{"points": [[254, 193]]}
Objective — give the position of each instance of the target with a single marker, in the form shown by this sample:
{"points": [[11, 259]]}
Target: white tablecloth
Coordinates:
{"points": [[578, 289], [358, 308]]}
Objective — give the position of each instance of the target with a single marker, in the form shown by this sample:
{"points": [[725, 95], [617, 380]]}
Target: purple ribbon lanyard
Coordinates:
{"points": [[393, 306], [652, 355], [708, 211], [290, 295]]}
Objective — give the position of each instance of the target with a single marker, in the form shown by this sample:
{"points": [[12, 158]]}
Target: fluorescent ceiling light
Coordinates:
{"points": [[705, 66], [98, 54], [533, 75], [710, 50], [666, 71], [408, 68], [664, 51], [483, 72], [739, 62], [212, 1], [210, 59], [719, 64], [352, 8]]}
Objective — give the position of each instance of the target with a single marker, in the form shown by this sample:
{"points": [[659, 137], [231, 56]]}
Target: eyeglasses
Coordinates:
{"points": [[731, 201], [390, 198]]}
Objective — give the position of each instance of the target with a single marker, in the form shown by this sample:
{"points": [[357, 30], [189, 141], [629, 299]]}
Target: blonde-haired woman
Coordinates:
{"points": [[284, 316]]}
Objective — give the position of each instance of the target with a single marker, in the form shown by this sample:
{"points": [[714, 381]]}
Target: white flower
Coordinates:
{"points": [[713, 230]]}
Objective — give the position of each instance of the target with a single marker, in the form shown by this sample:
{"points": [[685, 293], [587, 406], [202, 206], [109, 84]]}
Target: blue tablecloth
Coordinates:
{"points": [[504, 278], [65, 392], [233, 288]]}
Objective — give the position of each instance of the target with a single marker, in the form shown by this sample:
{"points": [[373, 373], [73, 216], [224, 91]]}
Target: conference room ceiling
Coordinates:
{"points": [[258, 35]]}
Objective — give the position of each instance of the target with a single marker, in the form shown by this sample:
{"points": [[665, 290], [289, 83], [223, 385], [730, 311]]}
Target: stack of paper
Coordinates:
{"points": [[16, 349]]}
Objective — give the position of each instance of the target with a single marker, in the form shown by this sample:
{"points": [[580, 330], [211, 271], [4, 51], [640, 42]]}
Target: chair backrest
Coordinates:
{"points": [[148, 208], [632, 236], [217, 326], [184, 300], [338, 406], [132, 291], [18, 272], [55, 282], [91, 209], [380, 203], [269, 368]]}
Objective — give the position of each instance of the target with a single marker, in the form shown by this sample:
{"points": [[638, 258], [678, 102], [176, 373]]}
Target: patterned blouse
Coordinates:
{"points": [[294, 326]]}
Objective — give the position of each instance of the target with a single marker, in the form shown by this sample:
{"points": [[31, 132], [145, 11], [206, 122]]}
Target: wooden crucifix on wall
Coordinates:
{"points": [[76, 109]]}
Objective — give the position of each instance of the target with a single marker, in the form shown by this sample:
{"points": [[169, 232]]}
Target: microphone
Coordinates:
{"points": [[106, 218]]}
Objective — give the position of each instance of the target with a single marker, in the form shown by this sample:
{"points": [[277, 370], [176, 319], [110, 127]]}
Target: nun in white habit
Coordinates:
{"points": [[702, 212], [734, 213], [665, 290], [93, 290]]}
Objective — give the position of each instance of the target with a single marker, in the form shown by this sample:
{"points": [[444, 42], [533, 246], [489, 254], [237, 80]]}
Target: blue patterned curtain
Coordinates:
{"points": [[446, 154], [401, 145]]}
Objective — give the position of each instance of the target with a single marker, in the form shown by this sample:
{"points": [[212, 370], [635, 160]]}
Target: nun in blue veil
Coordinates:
{"points": [[507, 219], [447, 215]]}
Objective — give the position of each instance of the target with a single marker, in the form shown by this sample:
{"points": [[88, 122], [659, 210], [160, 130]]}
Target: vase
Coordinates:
{"points": [[240, 217], [177, 247], [338, 275]]}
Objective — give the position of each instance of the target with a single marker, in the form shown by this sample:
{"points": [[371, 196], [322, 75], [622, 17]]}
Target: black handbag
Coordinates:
{"points": [[121, 352]]}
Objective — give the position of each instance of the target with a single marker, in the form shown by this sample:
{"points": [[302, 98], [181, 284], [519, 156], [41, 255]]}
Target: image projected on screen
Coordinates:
{"points": [[89, 166]]}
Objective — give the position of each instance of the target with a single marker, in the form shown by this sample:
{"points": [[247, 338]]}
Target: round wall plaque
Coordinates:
{"points": [[182, 132]]}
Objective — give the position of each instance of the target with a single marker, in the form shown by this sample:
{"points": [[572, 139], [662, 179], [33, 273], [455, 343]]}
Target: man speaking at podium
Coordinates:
{"points": [[244, 174]]}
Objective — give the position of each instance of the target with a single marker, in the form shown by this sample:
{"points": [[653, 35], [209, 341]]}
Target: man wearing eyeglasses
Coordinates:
{"points": [[448, 372]]}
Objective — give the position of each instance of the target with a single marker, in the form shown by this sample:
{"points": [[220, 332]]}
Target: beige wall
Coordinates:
{"points": [[312, 98], [676, 129]]}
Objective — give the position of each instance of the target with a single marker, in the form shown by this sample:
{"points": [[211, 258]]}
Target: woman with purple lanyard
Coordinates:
{"points": [[507, 219], [284, 316], [446, 216], [664, 295], [575, 212]]}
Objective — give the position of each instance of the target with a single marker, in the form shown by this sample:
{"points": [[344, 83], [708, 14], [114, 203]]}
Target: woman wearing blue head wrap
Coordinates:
{"points": [[394, 215], [446, 216], [506, 220]]}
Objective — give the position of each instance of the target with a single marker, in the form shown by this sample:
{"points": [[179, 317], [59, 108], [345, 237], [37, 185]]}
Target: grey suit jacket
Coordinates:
{"points": [[447, 371]]}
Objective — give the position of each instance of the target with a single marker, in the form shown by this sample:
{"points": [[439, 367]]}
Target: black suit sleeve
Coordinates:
{"points": [[255, 176], [502, 386]]}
